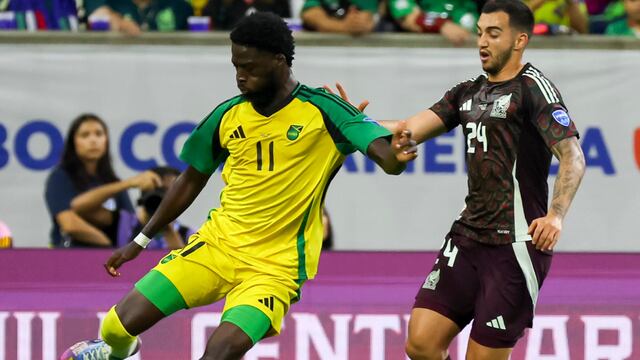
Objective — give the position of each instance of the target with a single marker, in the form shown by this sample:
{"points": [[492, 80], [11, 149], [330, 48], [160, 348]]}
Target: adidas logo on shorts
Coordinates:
{"points": [[497, 323]]}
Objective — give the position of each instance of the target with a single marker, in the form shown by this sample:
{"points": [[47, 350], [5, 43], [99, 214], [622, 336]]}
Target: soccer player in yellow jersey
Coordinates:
{"points": [[281, 143]]}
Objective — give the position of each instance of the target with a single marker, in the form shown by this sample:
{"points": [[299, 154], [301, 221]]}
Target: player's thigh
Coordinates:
{"points": [[228, 341], [476, 351], [259, 303], [137, 313], [198, 274], [511, 277], [450, 289], [430, 331]]}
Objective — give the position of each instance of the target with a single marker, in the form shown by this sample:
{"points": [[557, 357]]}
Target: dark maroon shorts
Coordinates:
{"points": [[495, 285]]}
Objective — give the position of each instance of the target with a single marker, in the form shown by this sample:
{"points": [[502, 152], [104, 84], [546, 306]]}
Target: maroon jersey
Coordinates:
{"points": [[509, 129]]}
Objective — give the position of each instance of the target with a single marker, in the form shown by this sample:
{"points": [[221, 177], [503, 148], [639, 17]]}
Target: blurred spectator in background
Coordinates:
{"points": [[6, 241], [174, 236], [454, 19], [602, 13], [629, 26], [86, 164], [355, 17], [225, 14], [42, 14], [560, 16], [133, 16]]}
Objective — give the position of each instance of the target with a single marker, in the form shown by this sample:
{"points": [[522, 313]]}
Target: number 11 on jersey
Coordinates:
{"points": [[259, 156]]}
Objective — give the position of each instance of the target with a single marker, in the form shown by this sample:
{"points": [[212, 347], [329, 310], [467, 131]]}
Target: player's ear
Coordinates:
{"points": [[522, 39], [281, 59]]}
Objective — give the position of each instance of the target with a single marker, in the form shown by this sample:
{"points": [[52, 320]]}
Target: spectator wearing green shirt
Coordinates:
{"points": [[134, 16], [454, 19], [355, 17], [570, 13], [630, 26]]}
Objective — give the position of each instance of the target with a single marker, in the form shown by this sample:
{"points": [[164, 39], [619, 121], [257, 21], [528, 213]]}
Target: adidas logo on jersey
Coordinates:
{"points": [[238, 133], [268, 302], [466, 106], [497, 323]]}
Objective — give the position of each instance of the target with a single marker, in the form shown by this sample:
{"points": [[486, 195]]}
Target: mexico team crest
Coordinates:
{"points": [[500, 107], [432, 280], [294, 131]]}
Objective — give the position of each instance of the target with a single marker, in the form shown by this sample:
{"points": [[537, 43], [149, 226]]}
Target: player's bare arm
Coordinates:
{"points": [[180, 195], [545, 231], [424, 125]]}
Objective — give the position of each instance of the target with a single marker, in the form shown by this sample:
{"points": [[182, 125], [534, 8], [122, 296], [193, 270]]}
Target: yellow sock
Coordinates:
{"points": [[113, 333]]}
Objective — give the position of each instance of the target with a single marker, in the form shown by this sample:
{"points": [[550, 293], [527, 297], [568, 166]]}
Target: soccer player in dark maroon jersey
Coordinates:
{"points": [[498, 252]]}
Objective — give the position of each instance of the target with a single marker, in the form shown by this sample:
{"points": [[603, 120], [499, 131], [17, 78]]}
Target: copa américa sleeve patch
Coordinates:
{"points": [[368, 119], [561, 117]]}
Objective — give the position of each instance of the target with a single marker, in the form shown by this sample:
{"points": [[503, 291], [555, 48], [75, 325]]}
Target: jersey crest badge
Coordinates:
{"points": [[561, 117], [432, 280], [500, 107], [294, 131]]}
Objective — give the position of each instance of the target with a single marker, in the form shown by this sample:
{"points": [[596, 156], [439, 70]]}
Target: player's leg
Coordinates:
{"points": [[124, 322], [120, 328], [240, 328], [476, 351], [167, 288], [511, 276], [430, 334], [254, 309], [445, 302]]}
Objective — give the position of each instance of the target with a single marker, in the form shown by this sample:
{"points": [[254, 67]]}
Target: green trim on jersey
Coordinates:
{"points": [[161, 292], [205, 139], [302, 262], [349, 128], [251, 320]]}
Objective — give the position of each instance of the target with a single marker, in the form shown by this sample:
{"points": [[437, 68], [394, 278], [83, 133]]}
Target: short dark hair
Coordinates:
{"points": [[265, 31], [520, 16]]}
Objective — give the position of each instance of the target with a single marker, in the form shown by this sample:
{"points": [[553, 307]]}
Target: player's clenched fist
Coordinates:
{"points": [[545, 231]]}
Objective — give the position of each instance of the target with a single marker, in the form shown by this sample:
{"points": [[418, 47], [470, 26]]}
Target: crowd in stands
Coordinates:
{"points": [[454, 19]]}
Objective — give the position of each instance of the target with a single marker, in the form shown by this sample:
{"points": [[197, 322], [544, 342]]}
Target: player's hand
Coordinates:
{"points": [[545, 232], [402, 145], [121, 256], [343, 94]]}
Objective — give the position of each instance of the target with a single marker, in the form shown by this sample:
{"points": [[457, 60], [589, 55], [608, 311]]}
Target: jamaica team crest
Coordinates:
{"points": [[294, 131]]}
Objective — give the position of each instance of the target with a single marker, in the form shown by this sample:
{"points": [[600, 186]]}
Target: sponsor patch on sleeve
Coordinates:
{"points": [[368, 119], [561, 117]]}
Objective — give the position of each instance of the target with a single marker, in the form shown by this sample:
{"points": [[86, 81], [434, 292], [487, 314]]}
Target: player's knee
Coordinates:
{"points": [[112, 330], [423, 350]]}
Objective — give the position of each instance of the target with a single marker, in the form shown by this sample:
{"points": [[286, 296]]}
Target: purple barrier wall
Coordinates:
{"points": [[357, 308]]}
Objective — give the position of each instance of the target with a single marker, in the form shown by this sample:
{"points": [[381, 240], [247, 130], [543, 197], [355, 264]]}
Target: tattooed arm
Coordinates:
{"points": [[546, 230]]}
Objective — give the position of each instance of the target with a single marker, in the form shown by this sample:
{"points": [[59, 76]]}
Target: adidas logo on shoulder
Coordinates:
{"points": [[466, 106], [238, 133], [497, 323]]}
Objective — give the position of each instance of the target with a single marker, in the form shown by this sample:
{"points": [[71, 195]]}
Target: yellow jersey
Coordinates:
{"points": [[276, 172]]}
